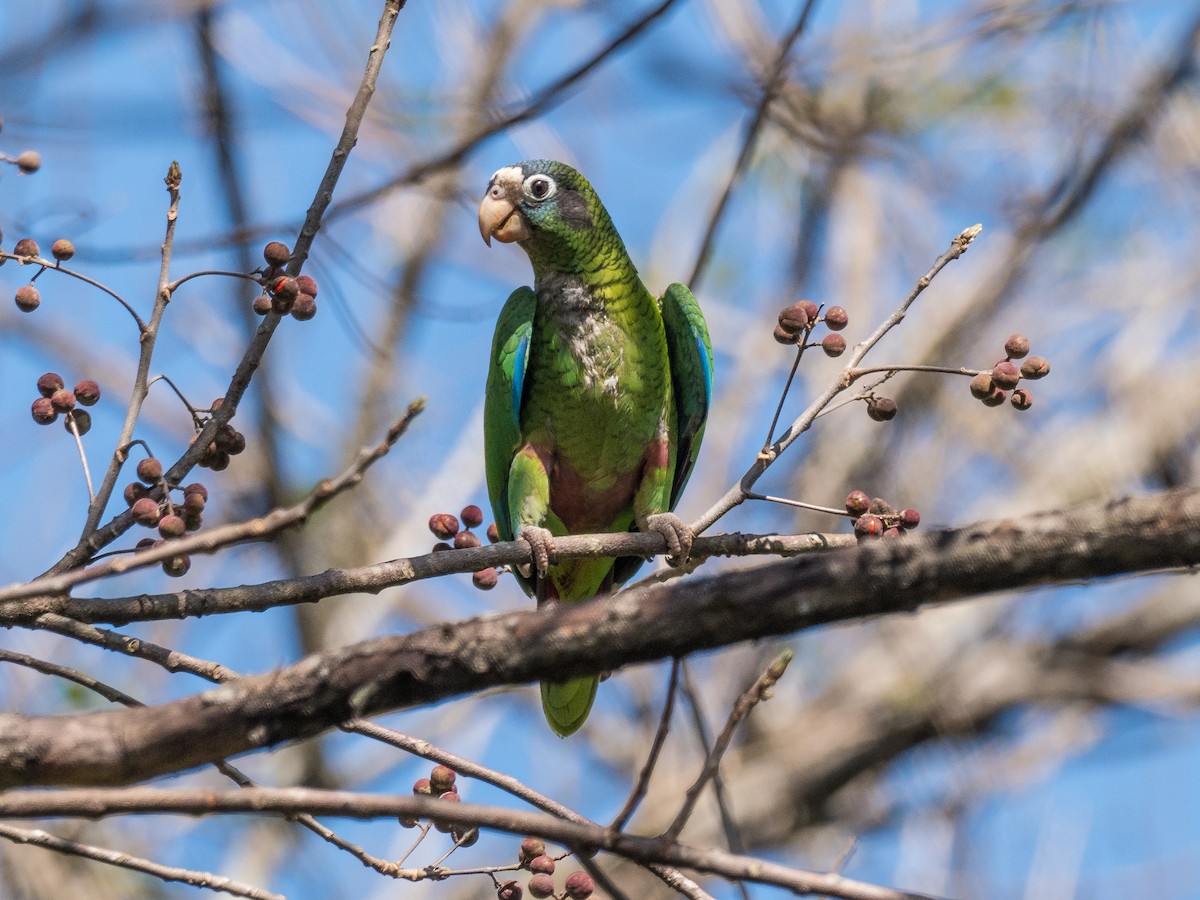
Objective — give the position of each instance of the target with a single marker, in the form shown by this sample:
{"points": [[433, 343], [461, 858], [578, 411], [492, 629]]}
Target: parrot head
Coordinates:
{"points": [[545, 206]]}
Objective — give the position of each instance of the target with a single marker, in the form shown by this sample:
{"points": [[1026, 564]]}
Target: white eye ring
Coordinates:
{"points": [[540, 187]]}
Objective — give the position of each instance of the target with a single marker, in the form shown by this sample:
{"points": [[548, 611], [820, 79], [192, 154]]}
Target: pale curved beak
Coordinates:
{"points": [[500, 219]]}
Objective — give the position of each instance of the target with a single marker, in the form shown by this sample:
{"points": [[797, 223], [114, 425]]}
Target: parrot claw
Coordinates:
{"points": [[677, 534], [541, 547]]}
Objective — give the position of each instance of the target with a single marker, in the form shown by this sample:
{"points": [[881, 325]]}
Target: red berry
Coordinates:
{"points": [[196, 488], [530, 847], [869, 525], [542, 863], [910, 518], [171, 526], [493, 533], [472, 516], [194, 503], [579, 886]]}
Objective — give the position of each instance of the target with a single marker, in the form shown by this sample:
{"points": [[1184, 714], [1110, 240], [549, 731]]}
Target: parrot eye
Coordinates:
{"points": [[539, 187]]}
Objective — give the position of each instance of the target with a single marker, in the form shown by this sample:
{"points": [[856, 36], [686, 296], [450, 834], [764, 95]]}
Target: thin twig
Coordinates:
{"points": [[119, 858], [755, 694], [773, 82], [73, 427], [47, 264], [660, 736], [95, 803]]}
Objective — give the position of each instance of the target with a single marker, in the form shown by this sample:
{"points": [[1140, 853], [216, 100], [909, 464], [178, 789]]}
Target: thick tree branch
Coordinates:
{"points": [[1085, 542]]}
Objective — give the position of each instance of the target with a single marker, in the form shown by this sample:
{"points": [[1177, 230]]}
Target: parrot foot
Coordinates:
{"points": [[541, 546], [677, 534]]}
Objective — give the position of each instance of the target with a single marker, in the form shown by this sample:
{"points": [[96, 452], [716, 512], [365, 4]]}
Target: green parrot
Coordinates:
{"points": [[597, 396]]}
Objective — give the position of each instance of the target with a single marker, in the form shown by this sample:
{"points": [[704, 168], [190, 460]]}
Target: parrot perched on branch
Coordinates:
{"points": [[597, 396]]}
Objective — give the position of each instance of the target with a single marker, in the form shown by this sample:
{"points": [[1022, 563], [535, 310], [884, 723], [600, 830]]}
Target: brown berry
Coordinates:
{"points": [[1021, 400], [78, 421], [868, 526], [467, 838], [472, 516], [87, 392], [307, 285], [285, 286], [28, 298], [443, 526], [541, 886], [62, 249], [150, 470], [441, 779], [836, 318], [783, 336], [177, 566], [29, 162], [795, 318], [43, 411], [579, 886], [810, 309], [857, 503], [1016, 346], [262, 304], [881, 409], [218, 461], [304, 307], [833, 344], [995, 398], [1035, 367], [530, 847], [485, 579], [450, 797], [134, 491], [510, 890], [542, 863], [1005, 375], [493, 533], [909, 518], [465, 539], [63, 400], [49, 383], [145, 512], [981, 385], [194, 503], [26, 247], [171, 526], [276, 253], [441, 546], [196, 488], [421, 787], [192, 520], [145, 544]]}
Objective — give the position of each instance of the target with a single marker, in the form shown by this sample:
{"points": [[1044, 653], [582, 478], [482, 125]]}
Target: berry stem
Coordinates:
{"points": [[87, 474], [833, 511], [57, 266]]}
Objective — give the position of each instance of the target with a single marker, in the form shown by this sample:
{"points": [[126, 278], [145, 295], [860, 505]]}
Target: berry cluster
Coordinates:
{"points": [[282, 293], [57, 399], [172, 519], [532, 856], [876, 518], [796, 323], [992, 388], [440, 784], [229, 442], [26, 250], [445, 527]]}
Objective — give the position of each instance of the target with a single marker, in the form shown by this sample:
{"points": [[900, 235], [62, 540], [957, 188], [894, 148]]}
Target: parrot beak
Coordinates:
{"points": [[499, 217]]}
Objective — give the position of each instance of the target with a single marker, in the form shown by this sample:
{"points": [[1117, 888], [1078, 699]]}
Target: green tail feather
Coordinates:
{"points": [[567, 703]]}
